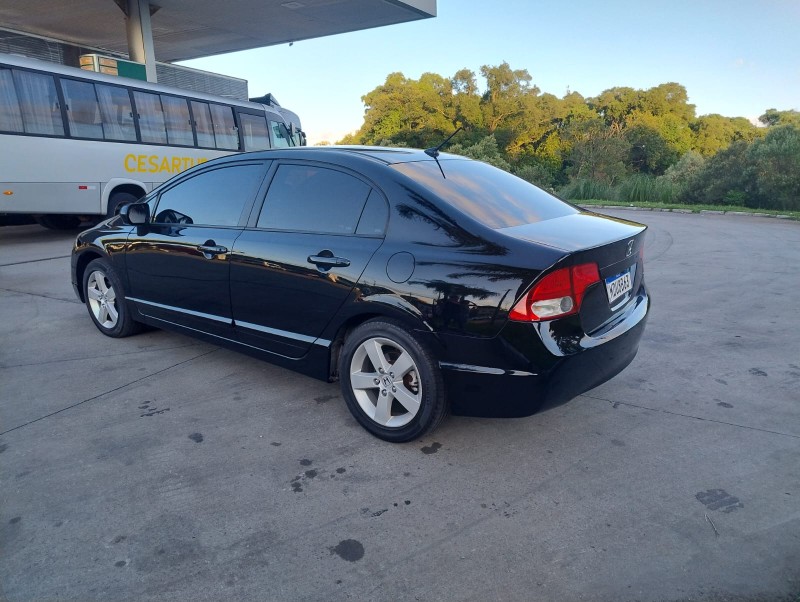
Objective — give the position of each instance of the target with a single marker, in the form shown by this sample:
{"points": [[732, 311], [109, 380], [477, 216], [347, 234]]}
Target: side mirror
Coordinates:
{"points": [[136, 214]]}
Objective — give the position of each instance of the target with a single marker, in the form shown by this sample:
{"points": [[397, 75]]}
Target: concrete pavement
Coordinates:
{"points": [[157, 467]]}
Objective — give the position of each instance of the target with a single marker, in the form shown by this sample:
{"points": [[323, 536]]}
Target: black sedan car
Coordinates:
{"points": [[423, 282]]}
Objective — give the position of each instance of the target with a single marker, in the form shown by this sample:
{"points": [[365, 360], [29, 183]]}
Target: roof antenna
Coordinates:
{"points": [[434, 151]]}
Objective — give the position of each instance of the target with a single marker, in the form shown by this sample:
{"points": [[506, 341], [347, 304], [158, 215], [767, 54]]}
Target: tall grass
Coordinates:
{"points": [[637, 188], [641, 188]]}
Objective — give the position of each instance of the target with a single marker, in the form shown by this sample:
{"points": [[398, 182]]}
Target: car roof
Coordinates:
{"points": [[381, 154]]}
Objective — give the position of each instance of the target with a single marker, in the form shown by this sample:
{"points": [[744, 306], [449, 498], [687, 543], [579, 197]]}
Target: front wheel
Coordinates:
{"points": [[391, 382], [105, 300], [118, 200]]}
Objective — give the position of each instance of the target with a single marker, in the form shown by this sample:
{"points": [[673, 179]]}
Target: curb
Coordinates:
{"points": [[701, 212]]}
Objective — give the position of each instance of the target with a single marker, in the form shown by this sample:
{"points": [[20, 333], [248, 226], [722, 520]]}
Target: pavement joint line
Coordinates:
{"points": [[11, 290], [5, 265], [96, 357], [114, 390], [641, 407]]}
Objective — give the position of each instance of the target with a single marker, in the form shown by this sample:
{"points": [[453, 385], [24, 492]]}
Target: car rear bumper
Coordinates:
{"points": [[543, 365]]}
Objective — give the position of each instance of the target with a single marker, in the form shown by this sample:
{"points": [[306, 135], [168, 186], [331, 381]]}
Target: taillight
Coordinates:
{"points": [[558, 294]]}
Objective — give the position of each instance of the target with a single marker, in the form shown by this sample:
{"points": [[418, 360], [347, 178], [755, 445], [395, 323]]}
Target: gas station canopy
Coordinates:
{"points": [[187, 29]]}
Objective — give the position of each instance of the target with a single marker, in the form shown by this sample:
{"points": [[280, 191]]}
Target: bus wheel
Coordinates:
{"points": [[117, 200], [59, 222]]}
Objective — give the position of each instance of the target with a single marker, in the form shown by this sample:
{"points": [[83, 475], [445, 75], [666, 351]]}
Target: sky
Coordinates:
{"points": [[735, 57]]}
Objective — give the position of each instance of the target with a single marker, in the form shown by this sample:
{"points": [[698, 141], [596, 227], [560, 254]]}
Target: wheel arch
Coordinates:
{"points": [[388, 307], [134, 187], [83, 260]]}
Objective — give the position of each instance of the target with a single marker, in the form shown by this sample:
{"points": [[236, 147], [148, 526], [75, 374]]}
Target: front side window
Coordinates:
{"points": [[280, 135], [83, 112], [254, 131], [211, 198], [307, 198], [151, 118], [41, 111]]}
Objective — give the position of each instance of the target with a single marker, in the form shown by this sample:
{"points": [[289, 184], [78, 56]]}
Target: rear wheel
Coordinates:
{"points": [[391, 382], [105, 300]]}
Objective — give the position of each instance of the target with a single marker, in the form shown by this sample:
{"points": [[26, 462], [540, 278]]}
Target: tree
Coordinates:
{"points": [[597, 153], [774, 117], [774, 169], [485, 150], [722, 178], [714, 132], [649, 152], [615, 105], [414, 112]]}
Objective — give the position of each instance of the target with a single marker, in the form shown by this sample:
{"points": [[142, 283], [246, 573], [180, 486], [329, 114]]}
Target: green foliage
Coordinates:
{"points": [[485, 150], [774, 117], [536, 173], [681, 173], [649, 152], [722, 173], [596, 153], [622, 144], [774, 169], [712, 133]]}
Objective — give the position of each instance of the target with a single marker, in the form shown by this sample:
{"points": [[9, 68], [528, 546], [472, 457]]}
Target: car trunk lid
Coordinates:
{"points": [[615, 245]]}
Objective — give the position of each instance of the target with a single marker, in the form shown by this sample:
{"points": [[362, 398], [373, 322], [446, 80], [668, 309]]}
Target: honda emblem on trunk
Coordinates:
{"points": [[630, 248]]}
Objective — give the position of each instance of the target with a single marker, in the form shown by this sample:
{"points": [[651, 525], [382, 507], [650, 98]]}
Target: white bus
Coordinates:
{"points": [[76, 144]]}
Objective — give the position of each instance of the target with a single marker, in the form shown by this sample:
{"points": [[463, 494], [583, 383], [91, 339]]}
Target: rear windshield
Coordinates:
{"points": [[492, 196]]}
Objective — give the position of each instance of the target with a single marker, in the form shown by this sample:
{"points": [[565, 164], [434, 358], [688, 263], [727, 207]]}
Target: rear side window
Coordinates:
{"points": [[10, 114], [489, 195], [373, 218], [308, 198], [38, 102], [211, 198], [83, 110]]}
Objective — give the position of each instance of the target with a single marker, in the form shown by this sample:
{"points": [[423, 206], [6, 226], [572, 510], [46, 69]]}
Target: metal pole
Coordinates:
{"points": [[140, 36]]}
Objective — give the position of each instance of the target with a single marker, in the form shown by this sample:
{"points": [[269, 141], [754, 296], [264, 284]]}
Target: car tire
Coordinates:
{"points": [[105, 300], [391, 382], [117, 200]]}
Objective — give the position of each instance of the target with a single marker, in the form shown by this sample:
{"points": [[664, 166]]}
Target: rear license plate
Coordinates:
{"points": [[617, 286]]}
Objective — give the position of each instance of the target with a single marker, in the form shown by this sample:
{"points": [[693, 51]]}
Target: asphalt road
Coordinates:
{"points": [[157, 467]]}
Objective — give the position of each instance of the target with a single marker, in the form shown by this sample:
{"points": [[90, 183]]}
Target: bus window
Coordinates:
{"points": [[151, 118], [224, 127], [10, 115], [254, 130], [280, 135], [117, 113], [202, 124], [41, 113], [179, 127], [83, 114]]}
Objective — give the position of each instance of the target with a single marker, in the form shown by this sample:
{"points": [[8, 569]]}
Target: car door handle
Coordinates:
{"points": [[328, 261], [212, 250]]}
